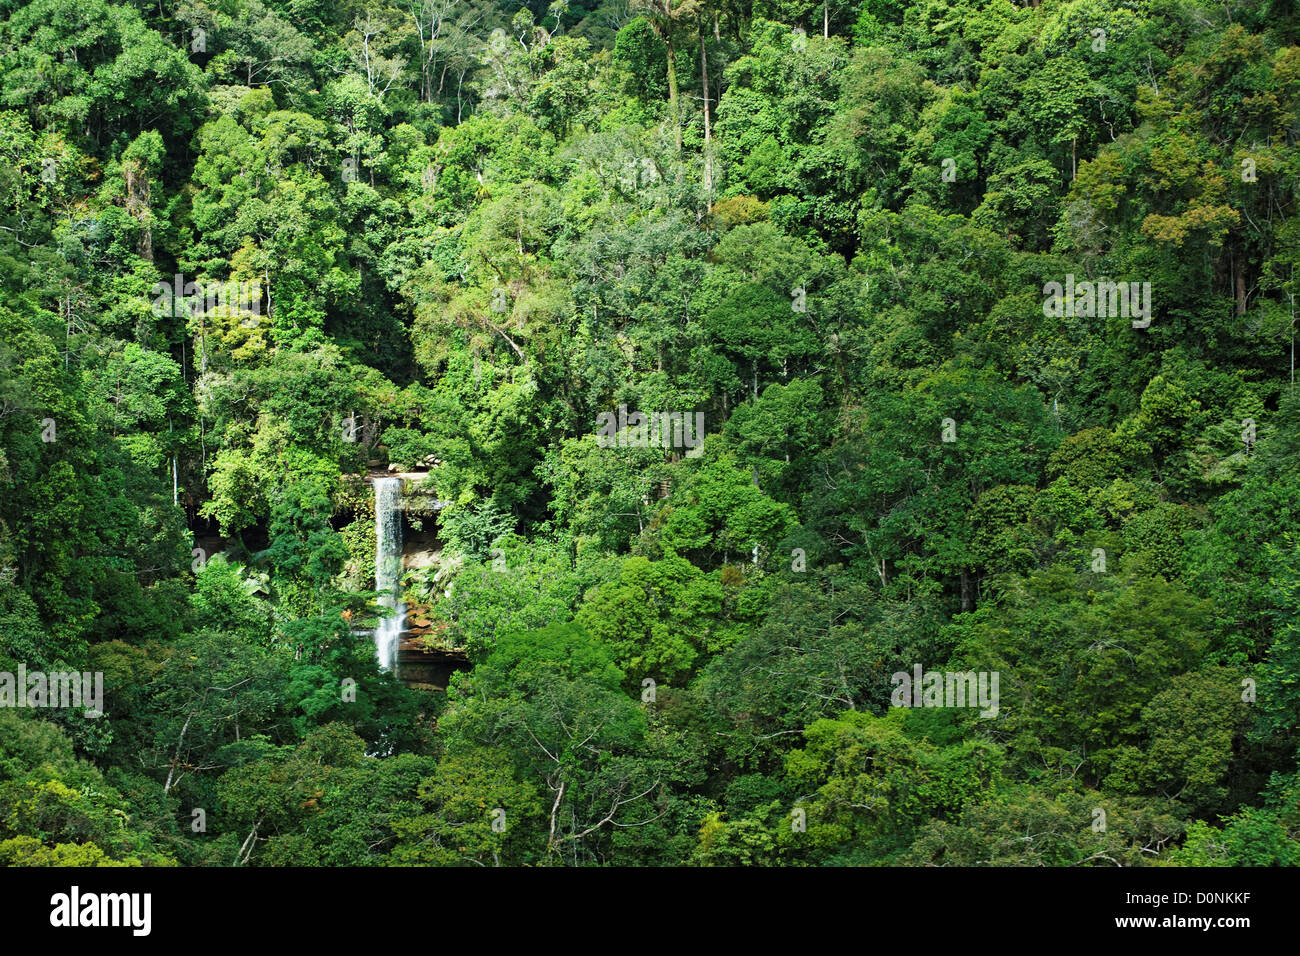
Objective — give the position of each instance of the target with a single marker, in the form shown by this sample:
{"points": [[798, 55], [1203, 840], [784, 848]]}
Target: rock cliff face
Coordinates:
{"points": [[423, 669], [418, 494], [420, 663]]}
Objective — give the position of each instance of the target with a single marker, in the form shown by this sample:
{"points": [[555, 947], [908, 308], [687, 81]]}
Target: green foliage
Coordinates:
{"points": [[451, 236], [872, 784]]}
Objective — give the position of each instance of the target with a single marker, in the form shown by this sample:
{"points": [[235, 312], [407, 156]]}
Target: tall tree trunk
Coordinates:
{"points": [[672, 95], [672, 73], [1291, 296], [137, 204], [1241, 291], [708, 151], [176, 757]]}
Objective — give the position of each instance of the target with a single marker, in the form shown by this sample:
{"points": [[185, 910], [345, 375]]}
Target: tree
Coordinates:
{"points": [[666, 19], [552, 699]]}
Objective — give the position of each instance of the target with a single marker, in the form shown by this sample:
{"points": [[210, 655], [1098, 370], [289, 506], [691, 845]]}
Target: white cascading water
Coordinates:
{"points": [[388, 569]]}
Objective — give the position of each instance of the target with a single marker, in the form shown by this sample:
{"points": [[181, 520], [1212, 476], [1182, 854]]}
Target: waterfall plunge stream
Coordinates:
{"points": [[388, 569]]}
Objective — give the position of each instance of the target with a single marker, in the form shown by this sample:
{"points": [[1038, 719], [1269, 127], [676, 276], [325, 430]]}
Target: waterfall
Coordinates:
{"points": [[388, 569]]}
